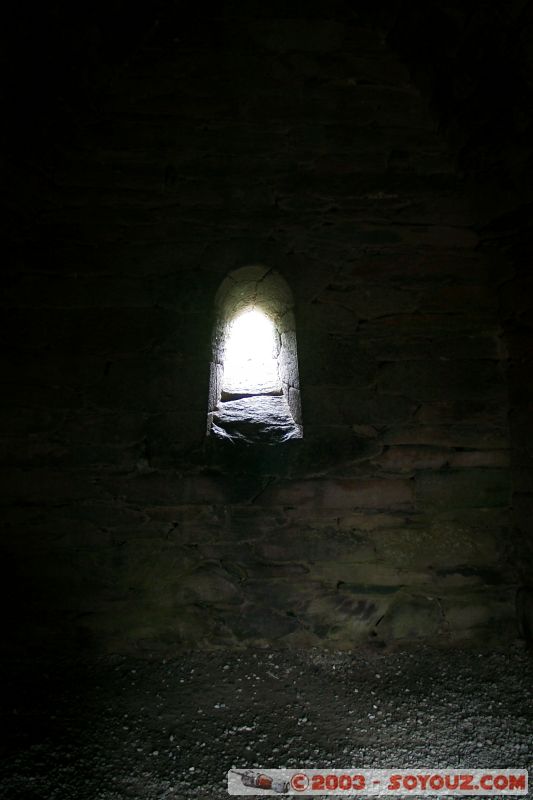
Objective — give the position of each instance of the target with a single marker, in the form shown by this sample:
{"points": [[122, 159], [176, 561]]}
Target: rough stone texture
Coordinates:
{"points": [[487, 109], [319, 147], [259, 418]]}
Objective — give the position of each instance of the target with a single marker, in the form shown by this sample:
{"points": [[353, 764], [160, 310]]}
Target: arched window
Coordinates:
{"points": [[254, 393]]}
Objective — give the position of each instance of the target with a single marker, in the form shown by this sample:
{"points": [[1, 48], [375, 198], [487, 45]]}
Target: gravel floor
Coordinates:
{"points": [[155, 729]]}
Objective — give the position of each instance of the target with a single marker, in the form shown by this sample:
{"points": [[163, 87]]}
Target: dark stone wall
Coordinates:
{"points": [[475, 64], [303, 144]]}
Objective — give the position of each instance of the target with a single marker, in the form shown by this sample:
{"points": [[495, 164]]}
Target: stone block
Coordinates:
{"points": [[367, 572], [490, 614], [473, 488], [443, 345], [345, 618], [431, 380], [341, 493], [408, 458], [48, 488], [315, 36], [330, 448], [264, 571], [170, 488], [368, 300], [207, 586], [411, 617], [469, 435], [337, 405], [480, 458], [261, 624], [477, 300], [311, 545], [251, 523], [438, 543]]}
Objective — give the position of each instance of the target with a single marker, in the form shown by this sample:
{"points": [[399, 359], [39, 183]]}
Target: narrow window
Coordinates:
{"points": [[254, 389], [250, 360]]}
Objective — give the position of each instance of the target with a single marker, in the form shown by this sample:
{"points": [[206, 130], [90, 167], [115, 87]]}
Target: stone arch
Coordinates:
{"points": [[270, 413]]}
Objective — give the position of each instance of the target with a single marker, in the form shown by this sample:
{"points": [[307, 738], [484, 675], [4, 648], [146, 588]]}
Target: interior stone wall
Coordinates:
{"points": [[475, 64], [304, 144]]}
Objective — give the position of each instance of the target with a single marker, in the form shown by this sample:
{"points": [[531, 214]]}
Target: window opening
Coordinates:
{"points": [[250, 363], [254, 389]]}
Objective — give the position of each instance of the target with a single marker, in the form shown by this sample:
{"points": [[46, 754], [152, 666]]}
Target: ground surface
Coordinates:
{"points": [[156, 729]]}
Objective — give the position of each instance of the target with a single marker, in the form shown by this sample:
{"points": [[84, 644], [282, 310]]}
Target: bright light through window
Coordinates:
{"points": [[250, 365]]}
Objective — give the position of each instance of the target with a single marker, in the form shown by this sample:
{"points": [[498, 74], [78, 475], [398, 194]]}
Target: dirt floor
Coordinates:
{"points": [[156, 729]]}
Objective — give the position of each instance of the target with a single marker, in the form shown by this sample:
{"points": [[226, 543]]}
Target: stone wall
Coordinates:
{"points": [[475, 64], [301, 144]]}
